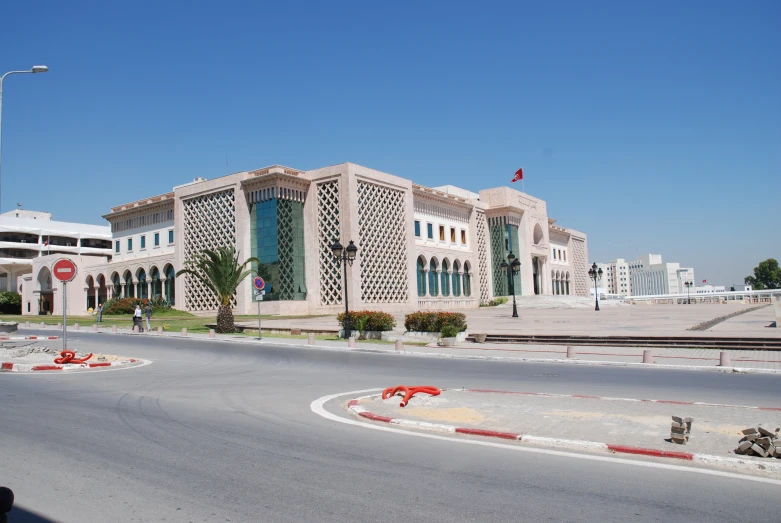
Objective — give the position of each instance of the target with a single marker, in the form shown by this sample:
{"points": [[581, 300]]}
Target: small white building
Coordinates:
{"points": [[651, 276]]}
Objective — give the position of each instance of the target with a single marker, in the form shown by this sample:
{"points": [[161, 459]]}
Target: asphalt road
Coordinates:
{"points": [[214, 432]]}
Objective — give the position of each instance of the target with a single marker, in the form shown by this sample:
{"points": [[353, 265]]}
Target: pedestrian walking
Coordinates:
{"points": [[137, 318], [100, 313], [148, 316]]}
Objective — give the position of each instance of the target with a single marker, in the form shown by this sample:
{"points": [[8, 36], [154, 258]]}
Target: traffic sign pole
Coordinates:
{"points": [[259, 331], [259, 284], [64, 316]]}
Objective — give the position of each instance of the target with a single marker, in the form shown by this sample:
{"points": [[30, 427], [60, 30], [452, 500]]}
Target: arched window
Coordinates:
{"points": [[433, 283], [142, 291], [553, 282], [456, 279], [170, 285], [128, 285], [421, 277], [117, 285], [567, 283], [445, 278], [157, 287], [467, 280]]}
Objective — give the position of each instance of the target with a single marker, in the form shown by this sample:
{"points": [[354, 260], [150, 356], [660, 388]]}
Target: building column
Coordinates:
{"points": [[122, 290], [426, 294], [162, 288], [97, 295]]}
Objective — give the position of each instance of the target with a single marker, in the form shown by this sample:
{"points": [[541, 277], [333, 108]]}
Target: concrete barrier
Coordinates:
{"points": [[159, 331], [571, 352], [310, 338], [648, 356], [59, 326], [135, 329], [351, 342], [94, 327], [75, 326], [724, 359], [43, 325], [184, 331], [777, 307], [113, 329], [27, 324], [211, 333], [399, 346]]}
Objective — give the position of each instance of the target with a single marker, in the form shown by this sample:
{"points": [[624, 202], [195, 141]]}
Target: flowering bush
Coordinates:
{"points": [[128, 305], [375, 321], [10, 302], [434, 321]]}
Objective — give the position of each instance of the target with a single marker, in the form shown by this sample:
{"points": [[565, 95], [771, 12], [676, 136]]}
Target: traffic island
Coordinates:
{"points": [[38, 359], [580, 422]]}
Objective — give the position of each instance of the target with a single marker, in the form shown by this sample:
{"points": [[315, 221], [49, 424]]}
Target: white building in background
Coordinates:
{"points": [[650, 275], [26, 236], [709, 289]]}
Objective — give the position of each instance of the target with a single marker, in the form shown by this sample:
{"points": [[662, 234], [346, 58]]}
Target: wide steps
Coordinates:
{"points": [[693, 342]]}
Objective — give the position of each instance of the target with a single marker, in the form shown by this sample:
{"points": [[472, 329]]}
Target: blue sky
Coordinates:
{"points": [[651, 126]]}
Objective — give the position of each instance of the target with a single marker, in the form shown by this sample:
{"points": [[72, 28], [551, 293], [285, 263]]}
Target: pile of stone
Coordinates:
{"points": [[680, 430], [759, 442]]}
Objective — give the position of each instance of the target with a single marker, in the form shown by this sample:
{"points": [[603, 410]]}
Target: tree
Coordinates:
{"points": [[767, 275], [219, 271]]}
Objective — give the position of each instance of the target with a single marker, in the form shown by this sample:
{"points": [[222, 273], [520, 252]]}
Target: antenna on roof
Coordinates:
{"points": [[19, 205]]}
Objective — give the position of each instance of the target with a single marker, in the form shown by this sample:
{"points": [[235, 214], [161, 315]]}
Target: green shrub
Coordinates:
{"points": [[374, 321], [434, 321], [449, 331], [116, 306], [501, 300], [10, 302]]}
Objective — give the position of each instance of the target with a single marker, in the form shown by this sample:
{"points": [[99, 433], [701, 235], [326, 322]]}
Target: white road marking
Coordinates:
{"points": [[317, 408]]}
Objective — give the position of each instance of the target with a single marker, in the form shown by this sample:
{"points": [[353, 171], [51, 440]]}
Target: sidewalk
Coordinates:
{"points": [[704, 359], [628, 425]]}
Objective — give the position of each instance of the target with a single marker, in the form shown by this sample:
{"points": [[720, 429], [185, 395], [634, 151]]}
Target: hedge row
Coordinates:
{"points": [[375, 321], [10, 302], [128, 305], [434, 321]]}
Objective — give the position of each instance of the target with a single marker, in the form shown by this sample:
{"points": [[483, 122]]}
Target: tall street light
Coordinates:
{"points": [[345, 257], [512, 268], [595, 274], [688, 285], [35, 69]]}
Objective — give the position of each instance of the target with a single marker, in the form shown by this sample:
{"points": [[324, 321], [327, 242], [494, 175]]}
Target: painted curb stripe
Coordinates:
{"points": [[487, 433], [623, 449]]}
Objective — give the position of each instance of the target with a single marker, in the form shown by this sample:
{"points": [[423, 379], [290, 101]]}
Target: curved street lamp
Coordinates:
{"points": [[33, 70], [345, 257], [512, 268], [595, 274]]}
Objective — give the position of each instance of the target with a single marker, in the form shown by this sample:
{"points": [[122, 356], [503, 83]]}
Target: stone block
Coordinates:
{"points": [[749, 431], [295, 332], [678, 430], [759, 451], [743, 447], [750, 437], [762, 442], [766, 432], [678, 419], [688, 419], [676, 424]]}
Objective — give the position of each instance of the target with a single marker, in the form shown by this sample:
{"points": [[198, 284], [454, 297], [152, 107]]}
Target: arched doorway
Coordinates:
{"points": [[102, 289], [433, 282], [156, 284], [421, 276], [142, 291], [445, 278], [45, 291], [456, 278], [90, 293], [116, 286], [467, 280], [170, 284], [128, 285]]}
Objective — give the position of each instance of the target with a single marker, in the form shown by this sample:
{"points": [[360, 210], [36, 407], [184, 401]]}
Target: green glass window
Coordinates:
{"points": [[433, 283], [421, 277], [130, 244], [417, 228], [430, 230], [143, 242], [445, 278], [157, 239]]}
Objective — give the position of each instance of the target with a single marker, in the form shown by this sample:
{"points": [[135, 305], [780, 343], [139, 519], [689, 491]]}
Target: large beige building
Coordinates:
{"points": [[418, 247]]}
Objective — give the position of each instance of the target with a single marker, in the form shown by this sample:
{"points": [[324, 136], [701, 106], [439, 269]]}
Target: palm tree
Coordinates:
{"points": [[219, 271]]}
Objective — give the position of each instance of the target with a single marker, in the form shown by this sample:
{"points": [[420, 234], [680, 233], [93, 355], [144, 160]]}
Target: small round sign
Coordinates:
{"points": [[64, 270], [258, 283]]}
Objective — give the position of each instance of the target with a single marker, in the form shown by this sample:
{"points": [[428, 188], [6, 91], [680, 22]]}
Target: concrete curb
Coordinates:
{"points": [[251, 341], [29, 338], [354, 407], [29, 367]]}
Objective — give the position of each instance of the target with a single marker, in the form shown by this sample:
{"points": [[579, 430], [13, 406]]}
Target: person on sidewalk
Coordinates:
{"points": [[137, 318], [148, 316], [100, 313]]}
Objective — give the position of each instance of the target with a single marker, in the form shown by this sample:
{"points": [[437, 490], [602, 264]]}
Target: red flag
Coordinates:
{"points": [[704, 281], [518, 175], [46, 242]]}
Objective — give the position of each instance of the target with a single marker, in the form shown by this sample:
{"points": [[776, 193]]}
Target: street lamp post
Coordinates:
{"points": [[35, 69], [345, 257], [688, 285], [595, 274], [512, 268]]}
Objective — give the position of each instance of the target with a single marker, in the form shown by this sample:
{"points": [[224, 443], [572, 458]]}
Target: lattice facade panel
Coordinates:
{"points": [[497, 234], [482, 257], [327, 233], [209, 223], [579, 268], [382, 236]]}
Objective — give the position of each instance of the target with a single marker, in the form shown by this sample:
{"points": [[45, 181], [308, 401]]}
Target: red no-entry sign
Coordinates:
{"points": [[64, 270]]}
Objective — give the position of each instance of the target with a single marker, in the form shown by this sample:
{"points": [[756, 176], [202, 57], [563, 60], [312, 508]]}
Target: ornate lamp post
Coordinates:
{"points": [[595, 274], [345, 257], [688, 285], [512, 268]]}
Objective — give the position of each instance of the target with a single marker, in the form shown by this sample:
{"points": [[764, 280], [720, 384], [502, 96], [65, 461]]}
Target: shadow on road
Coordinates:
{"points": [[22, 515]]}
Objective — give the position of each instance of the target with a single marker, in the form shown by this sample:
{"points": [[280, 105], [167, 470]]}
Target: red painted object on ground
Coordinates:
{"points": [[69, 356], [409, 392]]}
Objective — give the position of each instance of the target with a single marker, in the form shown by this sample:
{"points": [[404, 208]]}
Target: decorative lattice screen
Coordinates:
{"points": [[501, 287], [579, 267], [482, 257], [209, 222], [285, 247], [327, 233], [382, 242]]}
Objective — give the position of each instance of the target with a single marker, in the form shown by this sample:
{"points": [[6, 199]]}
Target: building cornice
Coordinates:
{"points": [[441, 197], [141, 206]]}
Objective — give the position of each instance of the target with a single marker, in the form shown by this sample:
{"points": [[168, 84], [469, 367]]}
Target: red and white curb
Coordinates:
{"points": [[29, 367], [13, 338], [606, 398], [354, 407]]}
